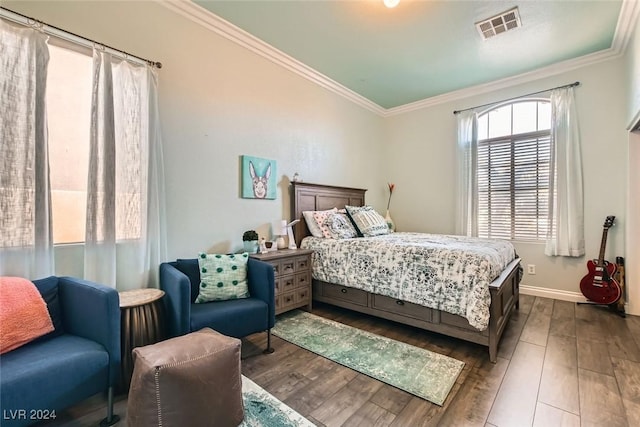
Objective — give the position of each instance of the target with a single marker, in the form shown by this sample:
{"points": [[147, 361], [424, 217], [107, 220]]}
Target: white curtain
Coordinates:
{"points": [[467, 200], [125, 232], [565, 236], [26, 240]]}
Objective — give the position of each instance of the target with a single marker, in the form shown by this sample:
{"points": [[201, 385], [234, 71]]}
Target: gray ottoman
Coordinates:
{"points": [[192, 380]]}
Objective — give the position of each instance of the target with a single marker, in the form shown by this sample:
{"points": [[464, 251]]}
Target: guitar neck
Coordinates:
{"points": [[603, 245]]}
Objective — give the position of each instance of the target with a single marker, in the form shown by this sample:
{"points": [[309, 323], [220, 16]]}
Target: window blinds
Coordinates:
{"points": [[513, 186]]}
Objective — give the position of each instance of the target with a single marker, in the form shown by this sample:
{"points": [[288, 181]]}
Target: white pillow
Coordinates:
{"points": [[312, 225]]}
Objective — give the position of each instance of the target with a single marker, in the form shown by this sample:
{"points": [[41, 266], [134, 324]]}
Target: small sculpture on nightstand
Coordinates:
{"points": [[263, 246], [296, 177]]}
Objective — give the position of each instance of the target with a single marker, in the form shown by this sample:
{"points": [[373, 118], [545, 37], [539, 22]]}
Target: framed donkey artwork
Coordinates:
{"points": [[258, 178]]}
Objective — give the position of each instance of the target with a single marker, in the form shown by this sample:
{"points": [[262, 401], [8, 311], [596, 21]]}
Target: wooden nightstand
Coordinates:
{"points": [[292, 268]]}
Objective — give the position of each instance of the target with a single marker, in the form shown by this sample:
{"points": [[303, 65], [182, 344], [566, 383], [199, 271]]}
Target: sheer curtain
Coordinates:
{"points": [[467, 201], [125, 229], [26, 240], [565, 236]]}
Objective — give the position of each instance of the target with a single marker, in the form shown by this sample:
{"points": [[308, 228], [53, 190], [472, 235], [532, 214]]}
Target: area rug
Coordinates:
{"points": [[262, 409], [415, 370]]}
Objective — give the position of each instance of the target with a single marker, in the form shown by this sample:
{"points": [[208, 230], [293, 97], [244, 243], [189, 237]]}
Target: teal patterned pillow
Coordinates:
{"points": [[369, 222], [222, 277]]}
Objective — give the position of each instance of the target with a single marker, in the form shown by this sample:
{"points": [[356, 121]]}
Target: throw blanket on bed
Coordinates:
{"points": [[449, 273]]}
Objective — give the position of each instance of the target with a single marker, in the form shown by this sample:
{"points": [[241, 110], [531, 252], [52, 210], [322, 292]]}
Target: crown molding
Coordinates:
{"points": [[627, 19], [213, 22], [550, 70], [626, 25]]}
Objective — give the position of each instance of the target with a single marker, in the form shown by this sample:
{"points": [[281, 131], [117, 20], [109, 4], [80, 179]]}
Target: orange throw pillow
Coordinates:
{"points": [[23, 313]]}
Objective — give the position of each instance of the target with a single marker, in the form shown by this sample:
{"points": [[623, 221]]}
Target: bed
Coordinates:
{"points": [[503, 290]]}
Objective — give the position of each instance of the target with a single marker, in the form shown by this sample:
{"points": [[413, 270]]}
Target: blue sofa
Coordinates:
{"points": [[235, 318], [80, 358]]}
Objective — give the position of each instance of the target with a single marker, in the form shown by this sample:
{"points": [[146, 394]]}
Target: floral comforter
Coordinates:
{"points": [[449, 273]]}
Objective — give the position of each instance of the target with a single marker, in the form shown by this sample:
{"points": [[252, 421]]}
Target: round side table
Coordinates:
{"points": [[142, 323]]}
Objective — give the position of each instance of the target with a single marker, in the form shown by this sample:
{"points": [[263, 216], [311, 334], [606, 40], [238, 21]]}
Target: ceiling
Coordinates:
{"points": [[421, 49]]}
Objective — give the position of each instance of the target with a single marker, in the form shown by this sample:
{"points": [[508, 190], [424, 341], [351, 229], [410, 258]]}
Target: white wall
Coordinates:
{"points": [[632, 58], [219, 101], [421, 151], [632, 261]]}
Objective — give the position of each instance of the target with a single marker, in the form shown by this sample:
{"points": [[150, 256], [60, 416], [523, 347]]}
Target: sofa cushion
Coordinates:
{"points": [[48, 288], [222, 277], [67, 367], [223, 316], [191, 269], [24, 315]]}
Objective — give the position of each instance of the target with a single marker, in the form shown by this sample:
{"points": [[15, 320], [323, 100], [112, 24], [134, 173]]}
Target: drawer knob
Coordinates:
{"points": [[400, 302], [343, 290]]}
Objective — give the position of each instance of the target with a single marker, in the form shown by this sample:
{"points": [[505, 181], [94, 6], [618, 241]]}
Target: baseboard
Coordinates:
{"points": [[552, 293], [559, 295]]}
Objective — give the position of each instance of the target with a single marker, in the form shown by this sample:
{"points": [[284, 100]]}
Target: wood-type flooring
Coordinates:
{"points": [[559, 364]]}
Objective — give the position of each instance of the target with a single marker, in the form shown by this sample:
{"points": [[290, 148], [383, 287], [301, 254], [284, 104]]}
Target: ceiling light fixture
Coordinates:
{"points": [[391, 3]]}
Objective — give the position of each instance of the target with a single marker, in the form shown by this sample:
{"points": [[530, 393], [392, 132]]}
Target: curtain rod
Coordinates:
{"points": [[59, 32], [517, 97]]}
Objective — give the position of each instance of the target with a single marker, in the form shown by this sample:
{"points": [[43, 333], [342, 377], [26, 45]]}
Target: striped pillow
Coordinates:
{"points": [[368, 222]]}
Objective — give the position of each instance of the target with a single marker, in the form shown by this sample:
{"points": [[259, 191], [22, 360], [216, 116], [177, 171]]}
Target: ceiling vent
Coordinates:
{"points": [[499, 24]]}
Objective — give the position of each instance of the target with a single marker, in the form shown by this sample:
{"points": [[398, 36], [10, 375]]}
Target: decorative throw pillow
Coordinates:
{"points": [[222, 277], [369, 222], [339, 226], [312, 225], [320, 217], [24, 315]]}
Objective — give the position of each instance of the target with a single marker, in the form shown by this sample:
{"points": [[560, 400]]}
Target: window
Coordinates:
{"points": [[69, 80], [513, 170], [68, 116]]}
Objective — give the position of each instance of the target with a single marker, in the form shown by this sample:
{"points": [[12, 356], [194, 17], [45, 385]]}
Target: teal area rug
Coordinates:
{"points": [[262, 409], [415, 370]]}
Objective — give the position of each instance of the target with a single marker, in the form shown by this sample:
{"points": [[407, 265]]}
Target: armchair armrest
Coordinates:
{"points": [[177, 288], [261, 282], [92, 311]]}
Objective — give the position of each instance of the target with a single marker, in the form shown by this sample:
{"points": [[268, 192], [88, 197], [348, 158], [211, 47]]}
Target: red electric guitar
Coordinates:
{"points": [[599, 285]]}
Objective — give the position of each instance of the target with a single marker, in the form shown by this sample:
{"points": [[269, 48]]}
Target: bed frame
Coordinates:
{"points": [[504, 290]]}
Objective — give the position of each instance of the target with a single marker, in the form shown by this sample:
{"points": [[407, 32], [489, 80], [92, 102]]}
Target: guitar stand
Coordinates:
{"points": [[613, 307]]}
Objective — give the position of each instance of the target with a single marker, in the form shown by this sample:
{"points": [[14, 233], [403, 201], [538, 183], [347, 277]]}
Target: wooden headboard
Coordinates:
{"points": [[317, 197]]}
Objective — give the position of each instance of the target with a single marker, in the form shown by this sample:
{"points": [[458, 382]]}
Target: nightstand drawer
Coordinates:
{"points": [[287, 266], [288, 299], [287, 283], [303, 280], [302, 264], [301, 295]]}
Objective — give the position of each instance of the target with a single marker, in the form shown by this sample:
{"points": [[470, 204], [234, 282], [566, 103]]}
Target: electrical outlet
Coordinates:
{"points": [[531, 268]]}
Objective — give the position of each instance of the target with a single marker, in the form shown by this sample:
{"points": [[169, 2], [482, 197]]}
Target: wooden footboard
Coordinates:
{"points": [[504, 298]]}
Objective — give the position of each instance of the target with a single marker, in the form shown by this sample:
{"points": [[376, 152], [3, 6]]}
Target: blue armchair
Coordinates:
{"points": [[80, 358], [235, 318]]}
